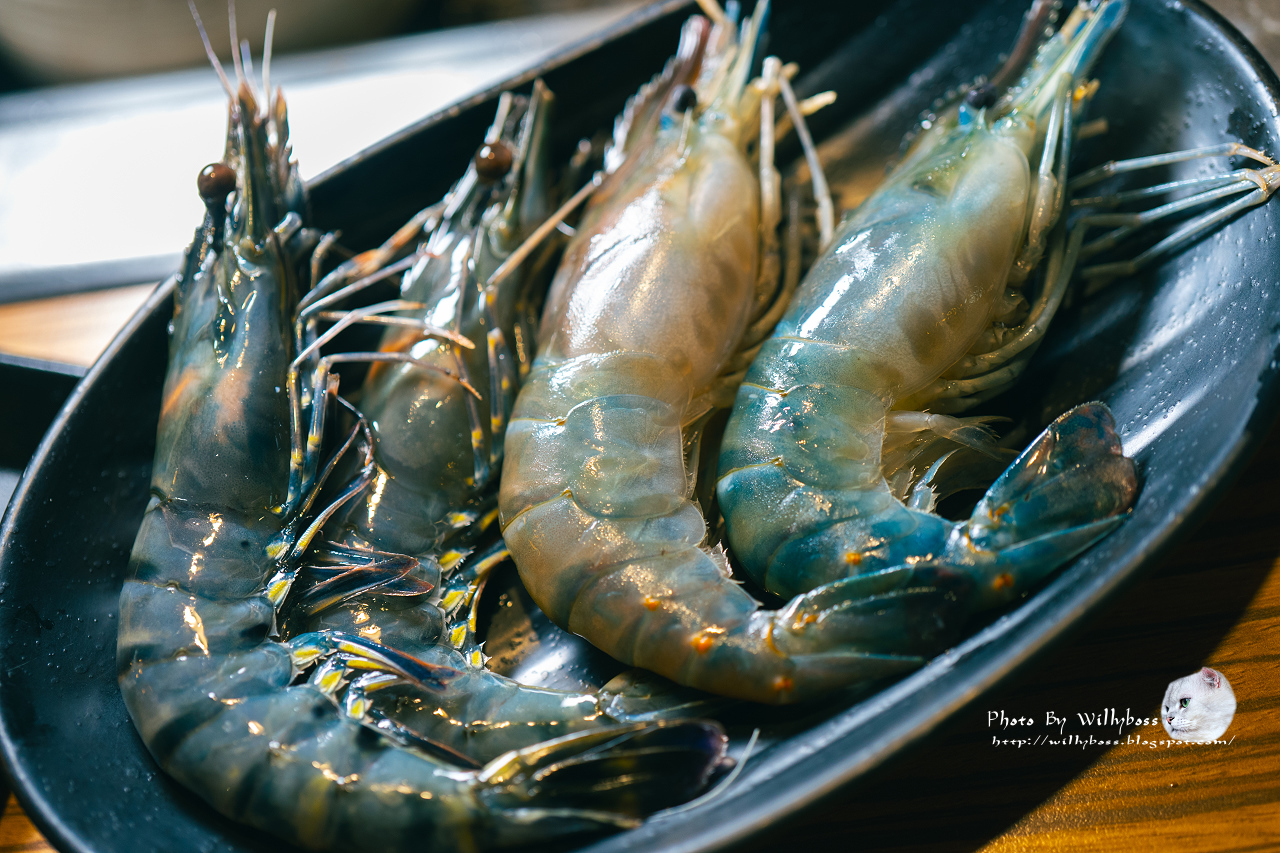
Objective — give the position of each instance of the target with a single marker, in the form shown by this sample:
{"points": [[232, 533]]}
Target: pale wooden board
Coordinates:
{"points": [[74, 329]]}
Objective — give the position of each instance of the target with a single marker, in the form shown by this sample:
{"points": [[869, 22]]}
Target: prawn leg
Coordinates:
{"points": [[1255, 186], [974, 373], [450, 327]]}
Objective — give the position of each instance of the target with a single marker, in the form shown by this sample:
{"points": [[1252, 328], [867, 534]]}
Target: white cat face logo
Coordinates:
{"points": [[1198, 708]]}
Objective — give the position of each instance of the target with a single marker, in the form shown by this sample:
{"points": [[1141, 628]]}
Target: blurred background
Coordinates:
{"points": [[56, 41], [108, 110]]}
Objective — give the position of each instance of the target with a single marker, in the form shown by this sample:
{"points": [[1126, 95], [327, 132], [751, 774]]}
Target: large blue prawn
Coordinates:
{"points": [[927, 302]]}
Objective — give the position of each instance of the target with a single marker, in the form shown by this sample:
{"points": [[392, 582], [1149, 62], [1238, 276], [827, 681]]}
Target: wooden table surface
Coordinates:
{"points": [[1214, 602]]}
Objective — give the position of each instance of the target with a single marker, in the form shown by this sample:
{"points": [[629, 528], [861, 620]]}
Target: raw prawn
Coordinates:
{"points": [[215, 697], [843, 435], [438, 431], [430, 488], [666, 288]]}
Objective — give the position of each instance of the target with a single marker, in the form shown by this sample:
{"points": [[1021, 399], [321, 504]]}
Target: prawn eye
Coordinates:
{"points": [[683, 99], [980, 97], [493, 161], [215, 182]]}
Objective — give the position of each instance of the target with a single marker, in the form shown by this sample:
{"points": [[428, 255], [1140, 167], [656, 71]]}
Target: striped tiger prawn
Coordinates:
{"points": [[274, 727], [430, 484]]}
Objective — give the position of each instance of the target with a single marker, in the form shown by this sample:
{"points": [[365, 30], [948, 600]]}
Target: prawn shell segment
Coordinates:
{"points": [[601, 484], [665, 267], [914, 275], [831, 513]]}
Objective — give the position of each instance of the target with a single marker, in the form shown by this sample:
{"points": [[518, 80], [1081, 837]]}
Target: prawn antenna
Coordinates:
{"points": [[540, 233], [714, 12], [246, 59], [749, 43], [821, 192], [1029, 38], [266, 61], [231, 25], [208, 50]]}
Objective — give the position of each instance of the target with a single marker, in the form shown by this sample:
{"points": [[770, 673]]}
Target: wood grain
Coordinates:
{"points": [[17, 833], [73, 329]]}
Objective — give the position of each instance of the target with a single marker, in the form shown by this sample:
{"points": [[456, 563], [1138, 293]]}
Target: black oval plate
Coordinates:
{"points": [[1186, 355]]}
